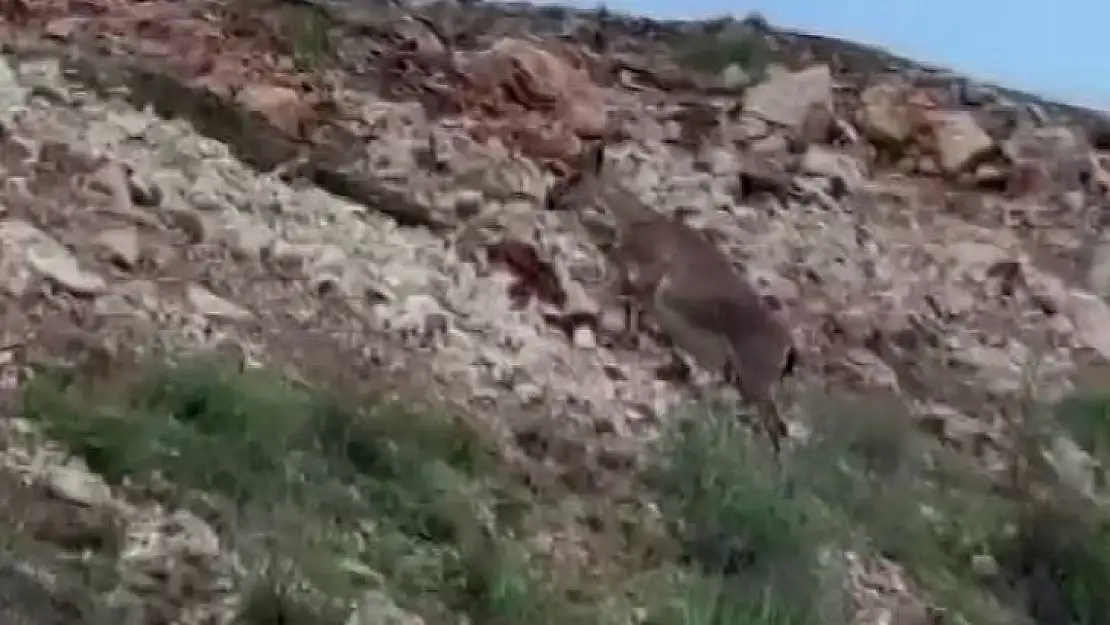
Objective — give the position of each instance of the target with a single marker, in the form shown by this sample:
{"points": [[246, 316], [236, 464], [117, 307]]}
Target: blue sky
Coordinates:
{"points": [[1057, 49]]}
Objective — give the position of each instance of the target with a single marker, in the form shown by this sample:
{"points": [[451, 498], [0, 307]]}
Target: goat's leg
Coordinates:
{"points": [[774, 427], [631, 331], [768, 418], [678, 369], [614, 291], [632, 306]]}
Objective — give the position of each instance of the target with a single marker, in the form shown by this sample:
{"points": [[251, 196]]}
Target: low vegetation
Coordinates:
{"points": [[304, 30], [713, 52], [334, 502], [313, 492]]}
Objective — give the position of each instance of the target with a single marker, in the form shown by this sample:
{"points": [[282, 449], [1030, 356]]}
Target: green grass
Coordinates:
{"points": [[306, 34], [348, 497], [752, 547], [333, 502], [303, 31], [754, 535], [904, 497], [1071, 537], [714, 53]]}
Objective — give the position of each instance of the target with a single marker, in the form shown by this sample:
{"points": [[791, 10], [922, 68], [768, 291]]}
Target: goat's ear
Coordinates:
{"points": [[595, 158], [790, 363]]}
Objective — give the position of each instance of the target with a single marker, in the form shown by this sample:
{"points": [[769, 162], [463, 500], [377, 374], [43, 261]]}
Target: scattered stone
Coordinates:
{"points": [[376, 608], [763, 176], [23, 245], [213, 306], [76, 485], [63, 270], [281, 106], [786, 99], [1091, 316], [985, 565], [190, 222], [468, 203], [122, 245], [172, 567], [584, 337], [62, 28], [734, 77], [1098, 270], [821, 161], [1076, 467], [884, 116], [961, 143]]}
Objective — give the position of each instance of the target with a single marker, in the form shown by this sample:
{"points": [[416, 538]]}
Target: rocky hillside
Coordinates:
{"points": [[289, 335]]}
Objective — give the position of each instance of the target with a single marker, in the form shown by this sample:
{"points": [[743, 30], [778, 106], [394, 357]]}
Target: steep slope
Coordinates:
{"points": [[351, 196]]}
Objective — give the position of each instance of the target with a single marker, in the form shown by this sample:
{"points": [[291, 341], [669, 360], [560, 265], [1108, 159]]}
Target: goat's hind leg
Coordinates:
{"points": [[633, 319], [773, 426], [610, 294], [768, 418]]}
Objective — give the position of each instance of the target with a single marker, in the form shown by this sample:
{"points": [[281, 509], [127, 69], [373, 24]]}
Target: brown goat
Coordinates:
{"points": [[695, 295]]}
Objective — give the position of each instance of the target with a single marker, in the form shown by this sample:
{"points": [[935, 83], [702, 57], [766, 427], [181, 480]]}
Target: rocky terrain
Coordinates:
{"points": [[349, 198]]}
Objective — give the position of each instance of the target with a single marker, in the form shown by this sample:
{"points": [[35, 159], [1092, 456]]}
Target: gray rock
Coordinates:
{"points": [[1098, 270], [975, 94], [734, 77], [194, 225], [121, 244], [961, 142], [12, 93], [22, 243], [883, 116], [1091, 316], [172, 565], [213, 306], [62, 269], [377, 608], [77, 485], [786, 98], [822, 161]]}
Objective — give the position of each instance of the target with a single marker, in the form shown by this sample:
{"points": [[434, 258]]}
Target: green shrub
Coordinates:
{"points": [[713, 54], [344, 494]]}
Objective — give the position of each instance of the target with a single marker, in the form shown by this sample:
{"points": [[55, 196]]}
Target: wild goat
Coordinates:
{"points": [[695, 295]]}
